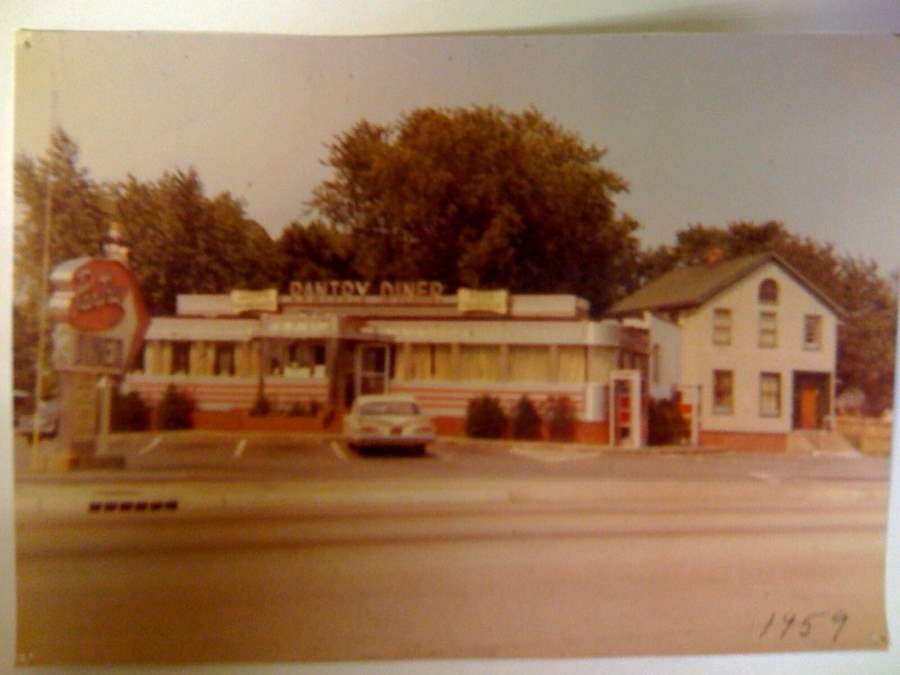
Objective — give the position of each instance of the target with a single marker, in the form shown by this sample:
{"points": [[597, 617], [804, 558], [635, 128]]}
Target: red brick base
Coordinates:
{"points": [[584, 432], [744, 441], [242, 420]]}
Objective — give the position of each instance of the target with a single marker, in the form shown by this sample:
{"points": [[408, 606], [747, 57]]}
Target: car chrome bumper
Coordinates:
{"points": [[389, 440]]}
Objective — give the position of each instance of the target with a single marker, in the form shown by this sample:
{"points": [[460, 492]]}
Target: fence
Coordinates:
{"points": [[868, 434]]}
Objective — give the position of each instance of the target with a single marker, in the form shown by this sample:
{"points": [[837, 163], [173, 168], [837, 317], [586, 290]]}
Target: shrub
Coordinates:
{"points": [[175, 410], [485, 418], [560, 418], [129, 413], [666, 424], [314, 407], [526, 422], [261, 406], [297, 410]]}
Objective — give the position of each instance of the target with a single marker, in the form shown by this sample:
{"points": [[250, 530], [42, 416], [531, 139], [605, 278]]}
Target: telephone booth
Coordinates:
{"points": [[626, 414]]}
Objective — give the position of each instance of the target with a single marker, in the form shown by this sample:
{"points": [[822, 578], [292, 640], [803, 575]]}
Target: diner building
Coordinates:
{"points": [[322, 344]]}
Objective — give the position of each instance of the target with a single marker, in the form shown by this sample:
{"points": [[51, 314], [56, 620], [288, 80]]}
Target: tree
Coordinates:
{"points": [[482, 198], [77, 219], [184, 242], [181, 241], [867, 334], [76, 225], [313, 252]]}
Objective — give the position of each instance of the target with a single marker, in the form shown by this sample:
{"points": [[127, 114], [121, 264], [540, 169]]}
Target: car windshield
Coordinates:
{"points": [[389, 408]]}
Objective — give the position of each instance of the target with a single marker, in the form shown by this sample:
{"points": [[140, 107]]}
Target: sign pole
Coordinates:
{"points": [[104, 386]]}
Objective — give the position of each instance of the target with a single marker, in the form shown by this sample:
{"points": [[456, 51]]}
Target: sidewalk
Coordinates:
{"points": [[119, 500]]}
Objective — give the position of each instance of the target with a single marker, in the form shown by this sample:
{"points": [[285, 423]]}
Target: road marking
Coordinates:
{"points": [[442, 455], [239, 448], [339, 451], [152, 444], [763, 476], [553, 456]]}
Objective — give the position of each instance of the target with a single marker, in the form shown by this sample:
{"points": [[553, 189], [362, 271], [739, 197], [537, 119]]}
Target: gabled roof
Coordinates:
{"points": [[687, 287]]}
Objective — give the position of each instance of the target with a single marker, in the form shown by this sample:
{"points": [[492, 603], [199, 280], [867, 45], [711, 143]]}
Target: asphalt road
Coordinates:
{"points": [[282, 549]]}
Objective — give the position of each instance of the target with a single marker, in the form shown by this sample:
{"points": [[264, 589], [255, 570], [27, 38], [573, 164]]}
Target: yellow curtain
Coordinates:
{"points": [[443, 363], [572, 365], [152, 358], [479, 363], [529, 363], [241, 365]]}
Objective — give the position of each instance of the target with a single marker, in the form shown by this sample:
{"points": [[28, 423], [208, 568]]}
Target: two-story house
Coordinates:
{"points": [[757, 348]]}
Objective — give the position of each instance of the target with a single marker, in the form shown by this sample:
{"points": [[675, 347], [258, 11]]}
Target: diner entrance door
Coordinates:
{"points": [[372, 368]]}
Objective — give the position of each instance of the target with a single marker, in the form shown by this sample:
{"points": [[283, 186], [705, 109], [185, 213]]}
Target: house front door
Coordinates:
{"points": [[811, 399], [809, 408]]}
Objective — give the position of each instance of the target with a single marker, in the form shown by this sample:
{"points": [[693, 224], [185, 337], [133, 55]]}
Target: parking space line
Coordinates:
{"points": [[339, 451], [152, 444], [442, 455], [239, 448]]}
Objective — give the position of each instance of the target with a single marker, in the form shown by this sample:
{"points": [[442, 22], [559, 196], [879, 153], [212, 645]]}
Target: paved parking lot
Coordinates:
{"points": [[230, 455]]}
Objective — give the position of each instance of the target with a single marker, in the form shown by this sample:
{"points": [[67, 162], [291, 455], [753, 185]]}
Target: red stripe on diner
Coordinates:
{"points": [[423, 395], [577, 389]]}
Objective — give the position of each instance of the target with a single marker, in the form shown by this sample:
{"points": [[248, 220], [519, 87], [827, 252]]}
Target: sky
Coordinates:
{"points": [[706, 129]]}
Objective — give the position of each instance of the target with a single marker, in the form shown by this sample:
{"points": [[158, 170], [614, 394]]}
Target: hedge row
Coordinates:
{"points": [[486, 418]]}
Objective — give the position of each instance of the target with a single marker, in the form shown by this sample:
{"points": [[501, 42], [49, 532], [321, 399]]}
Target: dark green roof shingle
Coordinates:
{"points": [[687, 287]]}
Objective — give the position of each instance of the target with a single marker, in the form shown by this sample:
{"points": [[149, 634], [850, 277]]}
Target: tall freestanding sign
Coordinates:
{"points": [[99, 323]]}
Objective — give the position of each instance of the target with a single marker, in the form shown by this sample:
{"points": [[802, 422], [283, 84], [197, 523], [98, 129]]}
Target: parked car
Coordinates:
{"points": [[387, 421], [48, 420]]}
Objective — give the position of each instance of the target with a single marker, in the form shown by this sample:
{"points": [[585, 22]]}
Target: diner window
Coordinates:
{"points": [[224, 364], [768, 330], [768, 292], [770, 395], [181, 357], [723, 392], [812, 332], [721, 326]]}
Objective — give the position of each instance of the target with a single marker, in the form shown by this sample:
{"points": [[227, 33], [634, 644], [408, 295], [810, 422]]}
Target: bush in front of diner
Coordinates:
{"points": [[261, 406], [485, 418], [129, 413], [175, 410], [526, 422], [560, 418], [301, 409], [666, 425]]}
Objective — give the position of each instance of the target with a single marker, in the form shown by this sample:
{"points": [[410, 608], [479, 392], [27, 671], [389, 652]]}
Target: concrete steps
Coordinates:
{"points": [[807, 441]]}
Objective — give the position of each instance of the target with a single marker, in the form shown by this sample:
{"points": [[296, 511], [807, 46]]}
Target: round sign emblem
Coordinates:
{"points": [[99, 291]]}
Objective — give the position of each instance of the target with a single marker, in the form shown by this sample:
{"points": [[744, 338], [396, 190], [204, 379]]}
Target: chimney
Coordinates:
{"points": [[713, 256]]}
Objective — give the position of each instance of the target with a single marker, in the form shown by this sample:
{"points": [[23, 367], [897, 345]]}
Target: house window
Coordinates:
{"points": [[768, 330], [655, 364], [723, 392], [181, 357], [770, 395], [812, 332], [768, 292], [722, 327]]}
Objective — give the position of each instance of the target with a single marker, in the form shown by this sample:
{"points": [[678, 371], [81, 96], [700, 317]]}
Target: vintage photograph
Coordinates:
{"points": [[343, 349]]}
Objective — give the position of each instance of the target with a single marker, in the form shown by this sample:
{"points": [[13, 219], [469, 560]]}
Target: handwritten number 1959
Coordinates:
{"points": [[789, 620]]}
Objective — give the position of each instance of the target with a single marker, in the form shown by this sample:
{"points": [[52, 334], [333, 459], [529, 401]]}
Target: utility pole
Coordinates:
{"points": [[37, 463]]}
